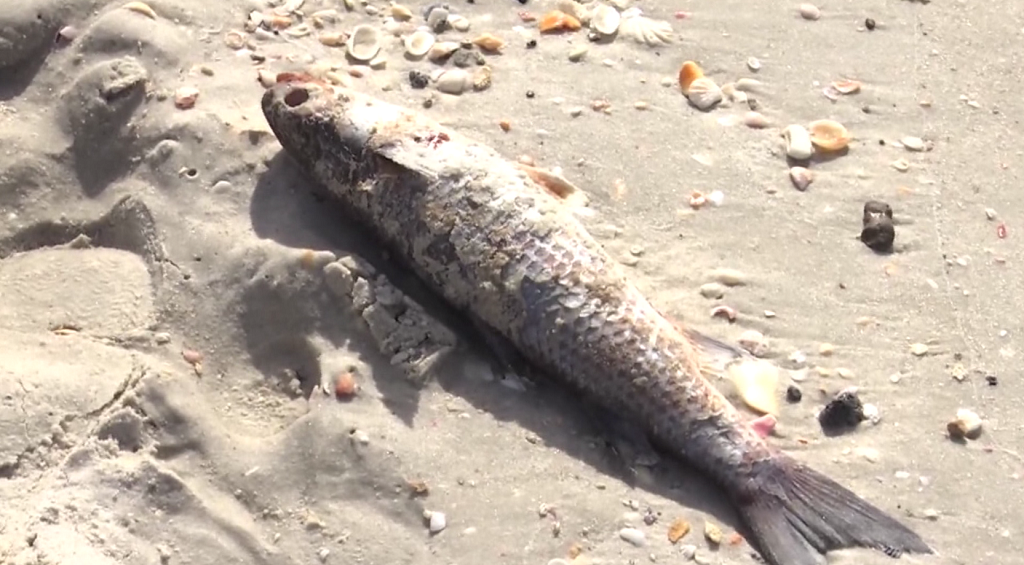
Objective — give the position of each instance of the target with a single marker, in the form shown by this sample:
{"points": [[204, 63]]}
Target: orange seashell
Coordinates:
{"points": [[345, 386], [558, 21], [829, 135], [687, 74], [489, 42], [846, 86]]}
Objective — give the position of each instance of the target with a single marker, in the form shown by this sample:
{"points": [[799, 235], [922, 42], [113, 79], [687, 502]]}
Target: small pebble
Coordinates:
{"points": [[712, 290], [688, 552], [633, 536], [793, 394], [918, 349], [843, 411], [809, 12], [578, 53], [418, 80], [322, 554], [826, 349], [878, 232]]}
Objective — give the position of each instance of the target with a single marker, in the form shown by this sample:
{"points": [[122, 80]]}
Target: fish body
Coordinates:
{"points": [[506, 251]]}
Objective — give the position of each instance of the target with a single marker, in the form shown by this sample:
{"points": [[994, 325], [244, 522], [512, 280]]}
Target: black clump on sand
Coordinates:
{"points": [[845, 411], [878, 232]]}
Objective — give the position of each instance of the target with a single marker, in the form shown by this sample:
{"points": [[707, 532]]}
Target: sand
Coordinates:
{"points": [[174, 301]]}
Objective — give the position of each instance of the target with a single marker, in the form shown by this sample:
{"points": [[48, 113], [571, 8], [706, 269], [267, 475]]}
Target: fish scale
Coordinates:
{"points": [[507, 252]]}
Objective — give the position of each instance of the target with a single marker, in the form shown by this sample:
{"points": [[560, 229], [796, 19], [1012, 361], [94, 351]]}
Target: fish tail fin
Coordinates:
{"points": [[795, 515]]}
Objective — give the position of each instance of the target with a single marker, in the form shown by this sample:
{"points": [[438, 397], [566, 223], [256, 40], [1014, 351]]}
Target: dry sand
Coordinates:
{"points": [[133, 231]]}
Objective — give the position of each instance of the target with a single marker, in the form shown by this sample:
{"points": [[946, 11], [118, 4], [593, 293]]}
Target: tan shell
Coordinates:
{"points": [[364, 43], [441, 50], [419, 43], [489, 42], [829, 135]]}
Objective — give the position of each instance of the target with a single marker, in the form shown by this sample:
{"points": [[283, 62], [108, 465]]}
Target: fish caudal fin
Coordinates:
{"points": [[796, 514]]}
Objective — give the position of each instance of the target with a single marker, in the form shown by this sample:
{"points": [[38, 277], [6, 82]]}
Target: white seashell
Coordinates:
{"points": [[453, 81], [645, 30], [633, 536], [755, 120], [364, 43], [913, 143], [458, 23], [704, 94], [748, 85], [801, 178], [575, 9], [754, 64], [605, 19], [798, 142], [437, 522], [419, 43], [442, 50], [966, 425]]}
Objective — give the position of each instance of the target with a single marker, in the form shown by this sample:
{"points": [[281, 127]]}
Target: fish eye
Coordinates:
{"points": [[296, 97]]}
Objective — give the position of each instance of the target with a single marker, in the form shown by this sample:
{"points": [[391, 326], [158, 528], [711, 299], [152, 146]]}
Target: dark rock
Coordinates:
{"points": [[843, 412]]}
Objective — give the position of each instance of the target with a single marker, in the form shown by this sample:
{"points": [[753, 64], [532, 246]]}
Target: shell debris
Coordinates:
{"points": [[141, 8], [558, 21], [678, 530], [489, 42], [829, 135]]}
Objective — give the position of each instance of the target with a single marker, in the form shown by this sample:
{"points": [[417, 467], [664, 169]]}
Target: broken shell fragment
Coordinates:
{"points": [[141, 8], [801, 177], [332, 38], [798, 142], [185, 97], [400, 12], [756, 381], [846, 86], [364, 44], [458, 23], [829, 135], [755, 120], [489, 42], [704, 94], [557, 21], [419, 43], [605, 20]]}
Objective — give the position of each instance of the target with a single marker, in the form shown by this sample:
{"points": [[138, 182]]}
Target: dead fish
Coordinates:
{"points": [[511, 255]]}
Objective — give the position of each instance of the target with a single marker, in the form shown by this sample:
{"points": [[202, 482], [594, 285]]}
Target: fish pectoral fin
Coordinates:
{"points": [[716, 355], [511, 367], [626, 439]]}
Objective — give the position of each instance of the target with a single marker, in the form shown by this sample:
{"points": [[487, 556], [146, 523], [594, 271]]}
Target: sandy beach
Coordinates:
{"points": [[179, 311]]}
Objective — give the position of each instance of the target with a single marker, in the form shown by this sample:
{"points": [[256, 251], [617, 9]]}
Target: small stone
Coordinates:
{"points": [[360, 437], [918, 349], [872, 414], [844, 411], [793, 394], [633, 536], [826, 349], [869, 24], [809, 12], [322, 554], [578, 53], [712, 290], [162, 338], [878, 232], [418, 80], [453, 81], [966, 425], [688, 552]]}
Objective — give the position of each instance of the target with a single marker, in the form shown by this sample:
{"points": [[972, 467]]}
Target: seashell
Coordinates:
{"points": [[141, 8], [809, 12], [458, 23], [482, 78], [689, 72], [756, 381], [913, 143], [748, 85], [829, 135], [754, 64], [704, 94], [846, 86], [801, 178], [901, 165], [401, 13], [737, 96], [798, 142], [755, 120], [234, 40], [321, 18], [379, 62], [645, 30], [419, 43], [574, 9], [185, 97], [453, 81], [441, 50], [489, 42], [364, 44], [966, 425], [557, 20], [605, 19], [332, 38]]}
